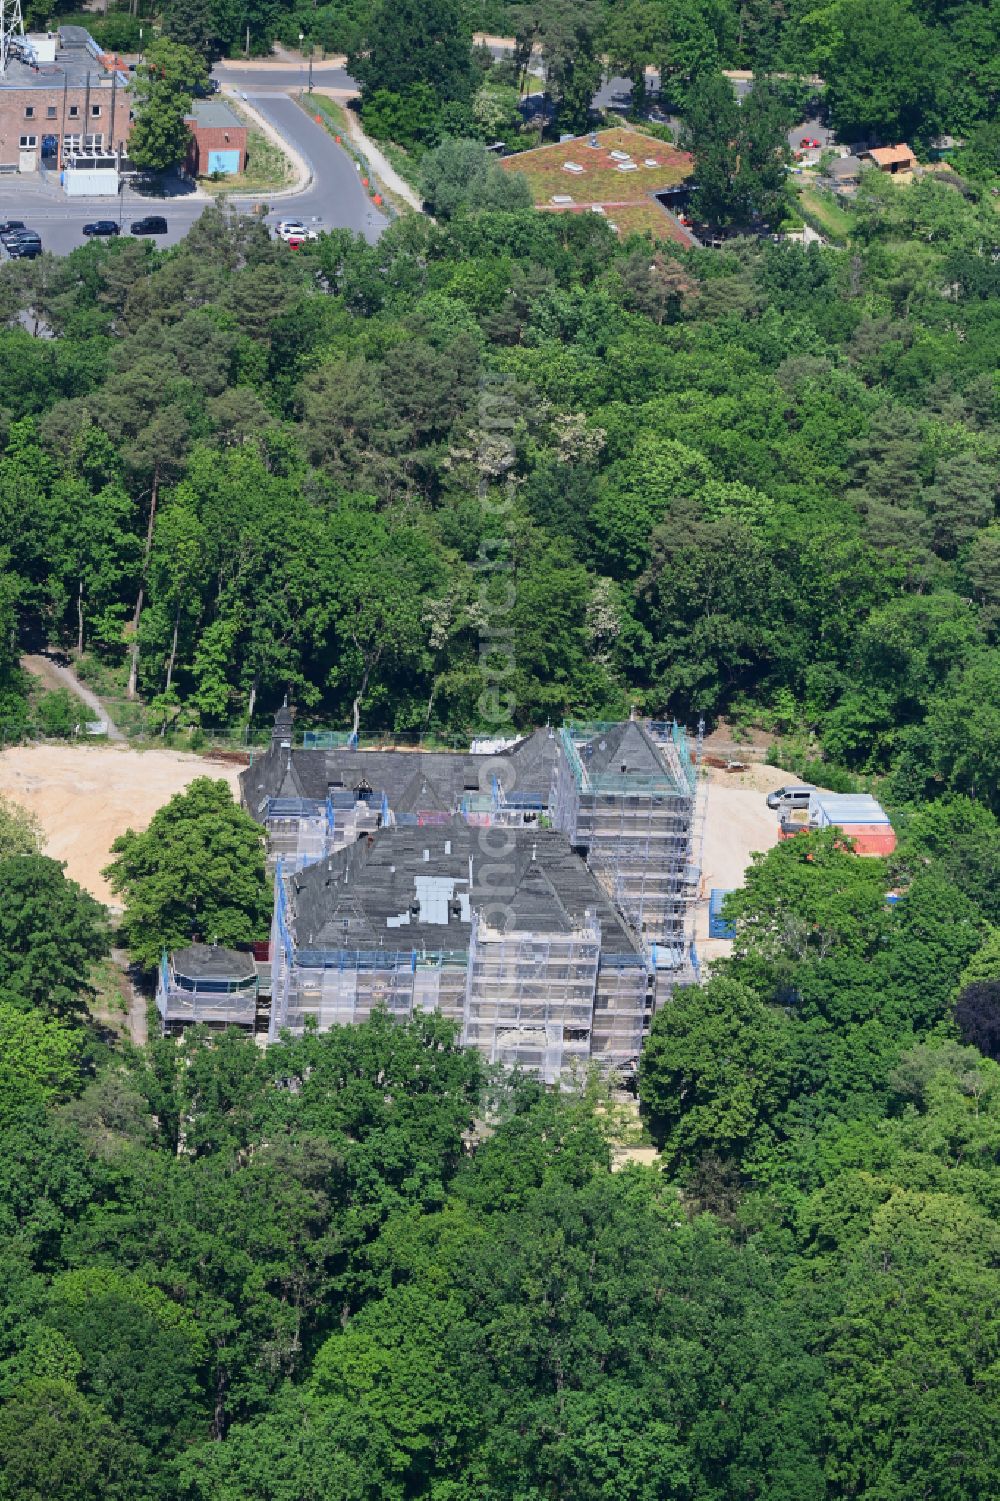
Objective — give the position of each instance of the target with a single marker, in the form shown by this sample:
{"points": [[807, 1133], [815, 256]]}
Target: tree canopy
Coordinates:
{"points": [[762, 484], [364, 1264], [197, 873], [51, 931], [165, 84]]}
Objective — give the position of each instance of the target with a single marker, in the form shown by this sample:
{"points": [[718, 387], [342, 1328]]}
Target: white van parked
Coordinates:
{"points": [[784, 799]]}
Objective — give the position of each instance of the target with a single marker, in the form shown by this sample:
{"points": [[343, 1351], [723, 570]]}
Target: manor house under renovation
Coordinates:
{"points": [[541, 896]]}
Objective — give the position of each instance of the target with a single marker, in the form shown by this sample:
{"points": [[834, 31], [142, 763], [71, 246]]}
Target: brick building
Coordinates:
{"points": [[218, 139], [61, 97]]}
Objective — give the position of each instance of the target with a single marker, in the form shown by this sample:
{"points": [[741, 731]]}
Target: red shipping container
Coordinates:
{"points": [[870, 838]]}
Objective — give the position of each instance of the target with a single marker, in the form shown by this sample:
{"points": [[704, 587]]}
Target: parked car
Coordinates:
{"points": [[10, 229], [785, 798], [26, 247], [101, 227], [153, 224], [294, 229]]}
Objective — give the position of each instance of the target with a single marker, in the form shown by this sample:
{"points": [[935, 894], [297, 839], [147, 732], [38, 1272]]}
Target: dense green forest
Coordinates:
{"points": [[356, 1267], [906, 68], [761, 481], [917, 71]]}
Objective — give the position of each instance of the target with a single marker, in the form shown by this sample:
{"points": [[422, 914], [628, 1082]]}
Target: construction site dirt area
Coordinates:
{"points": [[84, 796], [738, 822]]}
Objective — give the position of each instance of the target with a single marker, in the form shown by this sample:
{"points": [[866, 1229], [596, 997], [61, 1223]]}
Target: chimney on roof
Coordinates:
{"points": [[281, 734]]}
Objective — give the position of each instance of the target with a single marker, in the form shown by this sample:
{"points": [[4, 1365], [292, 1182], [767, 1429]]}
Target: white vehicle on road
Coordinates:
{"points": [[294, 229]]}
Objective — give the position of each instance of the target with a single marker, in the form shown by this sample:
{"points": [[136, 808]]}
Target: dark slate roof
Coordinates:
{"points": [[533, 763], [422, 795], [207, 961], [417, 781], [398, 773], [308, 774], [283, 773], [624, 749], [349, 900]]}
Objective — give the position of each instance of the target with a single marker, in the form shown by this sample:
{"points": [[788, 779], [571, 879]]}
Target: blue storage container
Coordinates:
{"points": [[718, 926]]}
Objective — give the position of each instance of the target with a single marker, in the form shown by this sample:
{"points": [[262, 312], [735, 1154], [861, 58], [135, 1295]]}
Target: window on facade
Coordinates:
{"points": [[28, 142], [74, 110], [72, 143], [50, 112], [95, 110], [95, 141], [29, 111]]}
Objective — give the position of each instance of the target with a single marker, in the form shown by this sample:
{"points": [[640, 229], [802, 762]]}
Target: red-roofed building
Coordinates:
{"points": [[891, 159]]}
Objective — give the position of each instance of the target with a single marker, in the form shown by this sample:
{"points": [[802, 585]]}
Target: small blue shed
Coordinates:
{"points": [[719, 926]]}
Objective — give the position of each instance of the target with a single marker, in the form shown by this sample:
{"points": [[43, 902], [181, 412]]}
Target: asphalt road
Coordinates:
{"points": [[334, 200], [278, 78], [60, 220]]}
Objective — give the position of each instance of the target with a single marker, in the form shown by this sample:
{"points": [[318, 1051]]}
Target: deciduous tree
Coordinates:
{"points": [[197, 872]]}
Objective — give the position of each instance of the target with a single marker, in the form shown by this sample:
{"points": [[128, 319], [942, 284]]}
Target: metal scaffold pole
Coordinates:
{"points": [[11, 33]]}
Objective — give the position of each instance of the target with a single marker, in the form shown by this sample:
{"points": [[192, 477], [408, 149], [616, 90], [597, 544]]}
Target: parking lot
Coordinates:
{"points": [[333, 198], [59, 220]]}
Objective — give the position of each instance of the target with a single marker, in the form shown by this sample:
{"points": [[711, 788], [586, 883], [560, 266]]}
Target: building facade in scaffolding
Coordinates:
{"points": [[205, 984], [626, 797], [554, 980], [515, 941]]}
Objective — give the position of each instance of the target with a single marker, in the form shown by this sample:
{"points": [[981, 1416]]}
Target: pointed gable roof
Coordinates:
{"points": [[535, 905], [421, 795], [621, 750]]}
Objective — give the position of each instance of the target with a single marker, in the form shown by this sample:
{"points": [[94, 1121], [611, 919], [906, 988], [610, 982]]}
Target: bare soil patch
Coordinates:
{"points": [[86, 795], [738, 823]]}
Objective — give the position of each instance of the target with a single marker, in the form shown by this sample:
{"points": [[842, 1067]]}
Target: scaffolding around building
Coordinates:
{"points": [[547, 1001], [635, 825], [541, 992], [301, 831], [529, 1000], [337, 986], [205, 985]]}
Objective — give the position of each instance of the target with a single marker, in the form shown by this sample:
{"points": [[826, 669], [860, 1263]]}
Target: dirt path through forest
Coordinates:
{"points": [[55, 675]]}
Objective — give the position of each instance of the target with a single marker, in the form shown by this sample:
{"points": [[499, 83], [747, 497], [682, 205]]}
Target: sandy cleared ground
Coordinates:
{"points": [[738, 822], [86, 795]]}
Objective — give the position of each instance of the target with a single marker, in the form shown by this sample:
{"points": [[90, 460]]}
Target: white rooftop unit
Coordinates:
{"points": [[43, 44], [828, 809]]}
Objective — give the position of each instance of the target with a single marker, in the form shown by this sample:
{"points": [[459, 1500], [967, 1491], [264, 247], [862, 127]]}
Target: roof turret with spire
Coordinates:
{"points": [[281, 734]]}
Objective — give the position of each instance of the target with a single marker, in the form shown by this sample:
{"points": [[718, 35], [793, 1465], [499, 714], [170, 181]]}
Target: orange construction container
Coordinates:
{"points": [[870, 838]]}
